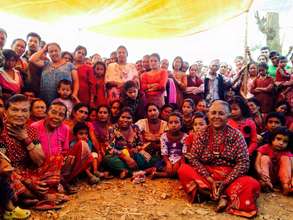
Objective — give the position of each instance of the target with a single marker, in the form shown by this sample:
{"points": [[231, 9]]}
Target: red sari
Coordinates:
{"points": [[87, 81], [223, 156]]}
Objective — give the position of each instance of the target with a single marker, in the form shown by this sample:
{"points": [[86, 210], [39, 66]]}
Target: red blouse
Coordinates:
{"points": [[87, 82], [160, 77]]}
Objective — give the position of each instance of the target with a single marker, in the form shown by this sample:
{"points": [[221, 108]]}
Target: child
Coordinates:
{"points": [[6, 192], [199, 124], [99, 72], [201, 106], [240, 119], [262, 88], [81, 133], [172, 147], [281, 73], [64, 90], [115, 108], [131, 97], [273, 161], [93, 114], [187, 110], [273, 120]]}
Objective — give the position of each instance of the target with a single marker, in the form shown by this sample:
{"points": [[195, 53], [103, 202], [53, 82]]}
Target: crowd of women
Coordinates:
{"points": [[225, 132]]}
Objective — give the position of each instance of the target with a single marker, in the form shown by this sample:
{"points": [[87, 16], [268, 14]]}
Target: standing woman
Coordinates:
{"points": [[180, 79], [263, 87], [86, 77], [153, 83], [195, 86], [54, 71], [10, 79]]}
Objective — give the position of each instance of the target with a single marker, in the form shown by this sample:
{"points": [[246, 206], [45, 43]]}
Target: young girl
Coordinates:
{"points": [[93, 114], [240, 119], [187, 110], [199, 124], [258, 117], [131, 97], [262, 88], [273, 161], [201, 106], [99, 72], [81, 133], [172, 147], [64, 91]]}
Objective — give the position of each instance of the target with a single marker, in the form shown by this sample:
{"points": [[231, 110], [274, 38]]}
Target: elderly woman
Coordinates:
{"points": [[54, 71], [10, 78], [36, 177], [125, 155], [218, 163]]}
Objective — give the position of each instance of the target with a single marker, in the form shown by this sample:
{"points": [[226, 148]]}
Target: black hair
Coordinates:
{"points": [[80, 126], [33, 34], [129, 84], [274, 53], [9, 54], [251, 63], [126, 109], [283, 58], [177, 114], [156, 55], [283, 130], [79, 106], [263, 56], [167, 106], [263, 65], [265, 48], [16, 98], [60, 104], [255, 101], [18, 39], [79, 47], [242, 105], [190, 101], [64, 82], [55, 44], [200, 115], [37, 100], [278, 104], [100, 63], [180, 58], [67, 53], [277, 115], [151, 104]]}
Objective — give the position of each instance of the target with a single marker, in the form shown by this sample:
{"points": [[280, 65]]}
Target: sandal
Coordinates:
{"points": [[46, 205], [17, 213]]}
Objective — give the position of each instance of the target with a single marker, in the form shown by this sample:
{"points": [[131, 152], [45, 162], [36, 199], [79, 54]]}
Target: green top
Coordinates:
{"points": [[272, 70]]}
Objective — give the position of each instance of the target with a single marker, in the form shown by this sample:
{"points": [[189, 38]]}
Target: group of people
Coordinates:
{"points": [[225, 133]]}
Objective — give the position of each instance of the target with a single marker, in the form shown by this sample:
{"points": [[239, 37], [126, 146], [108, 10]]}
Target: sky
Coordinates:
{"points": [[224, 41]]}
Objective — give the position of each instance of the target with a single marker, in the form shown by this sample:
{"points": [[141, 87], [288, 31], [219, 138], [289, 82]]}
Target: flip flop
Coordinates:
{"points": [[46, 205], [16, 213]]}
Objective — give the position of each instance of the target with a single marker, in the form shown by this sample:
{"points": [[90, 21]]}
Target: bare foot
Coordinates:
{"points": [[223, 202]]}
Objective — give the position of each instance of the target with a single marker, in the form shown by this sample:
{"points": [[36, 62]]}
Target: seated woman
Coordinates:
{"points": [[38, 111], [284, 108], [218, 163], [10, 78], [133, 98], [152, 128], [273, 163], [6, 192], [36, 177], [258, 117], [240, 119], [125, 155], [187, 111], [172, 147], [166, 111]]}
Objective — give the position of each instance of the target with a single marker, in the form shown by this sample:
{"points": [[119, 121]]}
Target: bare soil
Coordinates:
{"points": [[154, 199]]}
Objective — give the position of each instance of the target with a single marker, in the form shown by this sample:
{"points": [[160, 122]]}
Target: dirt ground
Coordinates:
{"points": [[154, 199]]}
